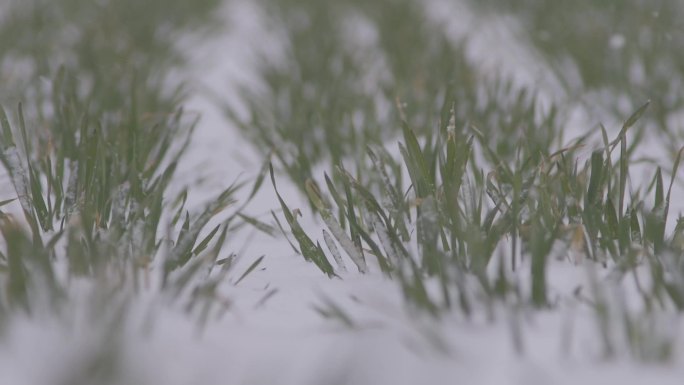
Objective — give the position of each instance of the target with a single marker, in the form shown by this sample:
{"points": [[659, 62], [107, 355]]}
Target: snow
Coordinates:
{"points": [[272, 333]]}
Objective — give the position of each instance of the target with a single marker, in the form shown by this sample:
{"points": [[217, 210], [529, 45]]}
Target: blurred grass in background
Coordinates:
{"points": [[624, 51]]}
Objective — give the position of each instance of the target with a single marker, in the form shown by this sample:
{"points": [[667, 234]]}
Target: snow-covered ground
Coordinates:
{"points": [[272, 332]]}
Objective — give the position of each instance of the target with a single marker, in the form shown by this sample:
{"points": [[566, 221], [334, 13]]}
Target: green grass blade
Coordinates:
{"points": [[250, 269]]}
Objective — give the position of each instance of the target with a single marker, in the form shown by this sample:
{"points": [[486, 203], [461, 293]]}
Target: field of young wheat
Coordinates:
{"points": [[349, 192]]}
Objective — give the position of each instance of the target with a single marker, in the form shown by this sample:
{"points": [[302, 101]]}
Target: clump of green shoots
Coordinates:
{"points": [[92, 152]]}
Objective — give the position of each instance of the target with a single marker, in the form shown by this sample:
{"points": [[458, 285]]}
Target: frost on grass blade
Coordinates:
{"points": [[12, 162], [72, 184], [337, 231], [395, 198], [334, 251], [18, 176], [184, 249], [345, 242], [309, 250]]}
